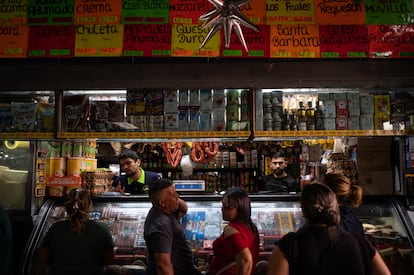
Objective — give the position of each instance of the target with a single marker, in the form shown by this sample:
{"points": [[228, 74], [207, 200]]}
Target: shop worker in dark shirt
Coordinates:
{"points": [[279, 181], [135, 180]]}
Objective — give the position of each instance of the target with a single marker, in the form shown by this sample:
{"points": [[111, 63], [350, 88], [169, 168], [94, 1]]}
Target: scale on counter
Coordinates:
{"points": [[190, 185]]}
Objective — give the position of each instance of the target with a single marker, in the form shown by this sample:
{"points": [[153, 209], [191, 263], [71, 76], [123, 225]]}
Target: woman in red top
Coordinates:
{"points": [[236, 251]]}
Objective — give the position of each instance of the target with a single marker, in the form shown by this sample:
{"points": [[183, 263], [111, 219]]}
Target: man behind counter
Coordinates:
{"points": [[135, 180], [279, 181]]}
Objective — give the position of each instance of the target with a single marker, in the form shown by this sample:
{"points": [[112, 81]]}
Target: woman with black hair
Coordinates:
{"points": [[77, 245], [320, 247], [236, 251]]}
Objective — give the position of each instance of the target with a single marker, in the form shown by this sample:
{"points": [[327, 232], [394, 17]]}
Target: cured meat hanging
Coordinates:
{"points": [[173, 152]]}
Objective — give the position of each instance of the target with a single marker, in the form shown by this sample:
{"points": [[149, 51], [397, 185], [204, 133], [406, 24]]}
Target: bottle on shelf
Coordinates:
{"points": [[310, 117], [319, 123], [285, 120], [293, 121], [301, 117]]}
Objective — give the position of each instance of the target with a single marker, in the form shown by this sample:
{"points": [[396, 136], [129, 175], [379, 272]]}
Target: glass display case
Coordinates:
{"points": [[15, 171], [386, 223]]}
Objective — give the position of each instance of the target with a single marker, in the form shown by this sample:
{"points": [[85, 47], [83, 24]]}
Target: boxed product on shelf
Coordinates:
{"points": [[329, 123], [341, 106], [324, 96], [367, 104], [171, 121], [183, 97], [366, 121], [354, 103], [219, 99], [194, 98], [341, 123], [206, 98], [154, 100], [381, 121], [183, 119], [329, 110], [353, 122], [135, 102], [23, 116], [194, 119], [171, 101], [205, 120], [382, 104]]}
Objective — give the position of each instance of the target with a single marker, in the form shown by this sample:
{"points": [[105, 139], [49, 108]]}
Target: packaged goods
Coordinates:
{"points": [[76, 113], [24, 115]]}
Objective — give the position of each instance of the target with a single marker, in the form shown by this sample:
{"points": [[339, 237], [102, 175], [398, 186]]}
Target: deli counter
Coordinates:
{"points": [[386, 222]]}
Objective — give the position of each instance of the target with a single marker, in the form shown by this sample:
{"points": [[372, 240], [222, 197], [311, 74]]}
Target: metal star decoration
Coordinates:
{"points": [[226, 14]]}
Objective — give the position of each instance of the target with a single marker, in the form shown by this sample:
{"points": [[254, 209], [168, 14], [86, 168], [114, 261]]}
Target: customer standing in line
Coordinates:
{"points": [[78, 245], [349, 196], [135, 180], [320, 247], [168, 250], [236, 251], [279, 181], [6, 243]]}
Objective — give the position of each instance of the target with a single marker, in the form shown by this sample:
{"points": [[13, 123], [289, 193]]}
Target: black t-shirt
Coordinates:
{"points": [[326, 251], [280, 185]]}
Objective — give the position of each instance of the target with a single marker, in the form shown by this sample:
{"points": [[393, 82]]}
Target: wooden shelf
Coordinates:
{"points": [[328, 133], [153, 135], [26, 135]]}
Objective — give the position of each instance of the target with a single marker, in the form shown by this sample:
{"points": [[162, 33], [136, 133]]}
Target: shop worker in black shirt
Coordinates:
{"points": [[135, 180], [279, 181]]}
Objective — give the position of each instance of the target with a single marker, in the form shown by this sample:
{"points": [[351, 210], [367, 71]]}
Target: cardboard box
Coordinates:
{"points": [[341, 123], [329, 108], [341, 107], [324, 96], [354, 107], [366, 121], [353, 123], [329, 123], [379, 120], [376, 182], [382, 104], [206, 97], [367, 104]]}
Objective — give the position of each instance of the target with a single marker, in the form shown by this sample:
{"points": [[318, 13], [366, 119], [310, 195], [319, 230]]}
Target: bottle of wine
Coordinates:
{"points": [[310, 117], [319, 123], [301, 117]]}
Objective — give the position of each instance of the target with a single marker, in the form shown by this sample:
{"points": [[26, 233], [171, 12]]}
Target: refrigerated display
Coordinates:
{"points": [[385, 220]]}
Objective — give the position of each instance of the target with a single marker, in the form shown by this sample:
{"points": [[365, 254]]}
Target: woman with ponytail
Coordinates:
{"points": [[77, 245], [320, 247]]}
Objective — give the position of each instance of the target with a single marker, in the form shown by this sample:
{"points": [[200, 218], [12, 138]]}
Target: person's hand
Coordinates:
{"points": [[119, 188]]}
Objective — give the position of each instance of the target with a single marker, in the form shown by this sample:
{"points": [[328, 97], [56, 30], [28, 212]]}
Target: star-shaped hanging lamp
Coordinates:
{"points": [[226, 14]]}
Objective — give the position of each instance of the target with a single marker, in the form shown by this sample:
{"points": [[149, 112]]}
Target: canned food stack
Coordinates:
{"points": [[272, 111], [65, 163]]}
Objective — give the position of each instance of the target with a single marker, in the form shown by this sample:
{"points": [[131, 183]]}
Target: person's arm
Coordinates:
{"points": [[163, 264], [244, 262], [244, 259], [378, 266], [182, 208], [278, 264]]}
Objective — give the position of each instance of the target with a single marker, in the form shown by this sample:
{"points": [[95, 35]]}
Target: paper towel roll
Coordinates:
{"points": [[12, 144]]}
